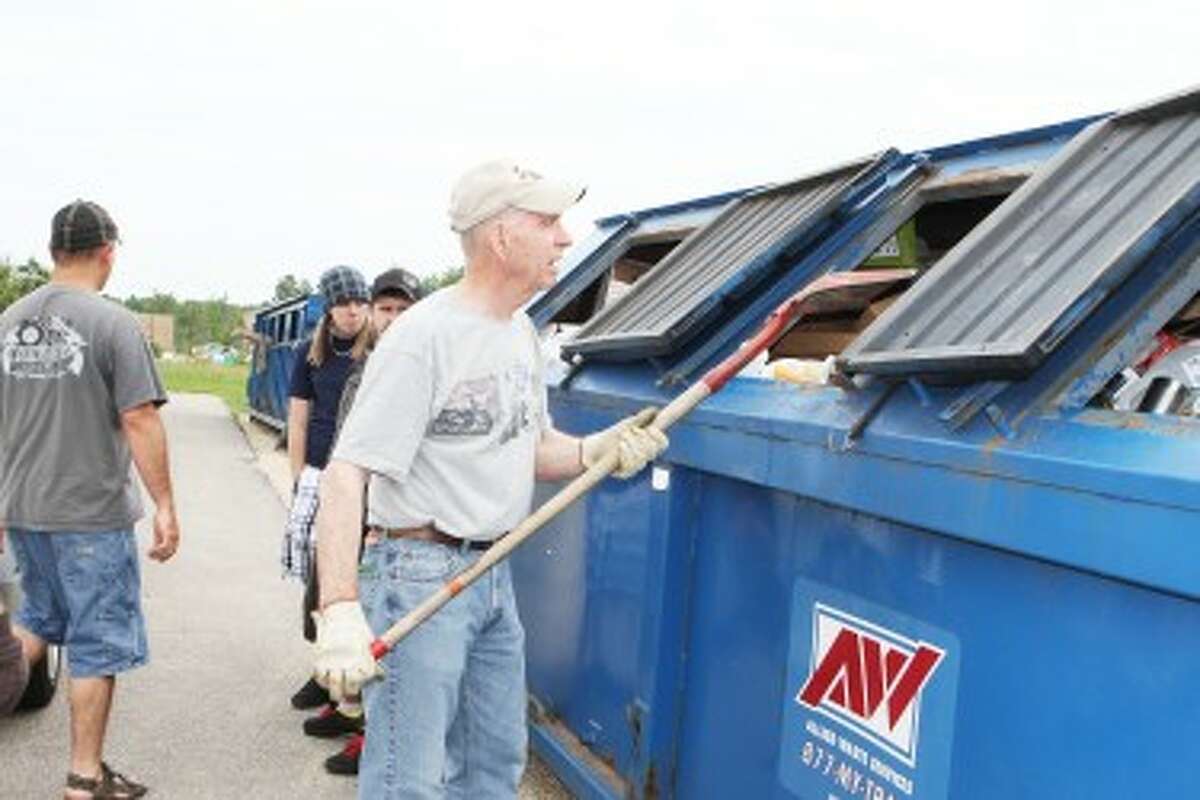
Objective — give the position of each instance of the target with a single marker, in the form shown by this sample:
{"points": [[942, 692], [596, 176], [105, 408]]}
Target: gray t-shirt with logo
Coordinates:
{"points": [[448, 418], [70, 363]]}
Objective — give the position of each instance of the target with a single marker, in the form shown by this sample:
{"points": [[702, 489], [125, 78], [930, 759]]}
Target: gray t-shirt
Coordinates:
{"points": [[70, 363], [448, 418]]}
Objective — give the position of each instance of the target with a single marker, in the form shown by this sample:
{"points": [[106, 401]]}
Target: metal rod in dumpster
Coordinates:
{"points": [[834, 292]]}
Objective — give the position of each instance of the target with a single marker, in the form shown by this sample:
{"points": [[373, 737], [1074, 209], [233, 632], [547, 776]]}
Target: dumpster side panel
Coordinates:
{"points": [[583, 599], [1068, 685]]}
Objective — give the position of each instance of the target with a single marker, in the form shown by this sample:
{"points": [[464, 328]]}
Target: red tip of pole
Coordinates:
{"points": [[379, 649]]}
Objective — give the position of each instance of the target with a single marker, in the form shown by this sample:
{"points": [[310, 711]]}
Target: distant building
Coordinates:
{"points": [[248, 316], [159, 330]]}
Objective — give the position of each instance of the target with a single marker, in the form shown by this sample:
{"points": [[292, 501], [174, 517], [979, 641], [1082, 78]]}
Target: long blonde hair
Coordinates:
{"points": [[322, 342]]}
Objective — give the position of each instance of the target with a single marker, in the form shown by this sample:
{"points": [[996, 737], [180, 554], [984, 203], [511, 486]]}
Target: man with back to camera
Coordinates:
{"points": [[79, 397], [452, 425]]}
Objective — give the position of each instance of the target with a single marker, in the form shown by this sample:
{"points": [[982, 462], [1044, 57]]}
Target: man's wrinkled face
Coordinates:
{"points": [[533, 246], [385, 309]]}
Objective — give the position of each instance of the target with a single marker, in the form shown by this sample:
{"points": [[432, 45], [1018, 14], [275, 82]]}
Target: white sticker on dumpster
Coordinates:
{"points": [[870, 705]]}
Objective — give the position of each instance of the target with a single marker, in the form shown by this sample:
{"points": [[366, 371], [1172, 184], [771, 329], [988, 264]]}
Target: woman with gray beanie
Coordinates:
{"points": [[323, 362]]}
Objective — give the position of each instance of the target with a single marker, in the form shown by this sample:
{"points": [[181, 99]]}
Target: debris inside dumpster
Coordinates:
{"points": [[1164, 377]]}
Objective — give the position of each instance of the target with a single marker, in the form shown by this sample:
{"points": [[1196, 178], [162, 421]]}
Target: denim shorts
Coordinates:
{"points": [[82, 591]]}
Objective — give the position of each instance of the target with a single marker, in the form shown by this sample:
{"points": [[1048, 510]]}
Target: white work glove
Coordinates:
{"points": [[635, 445], [344, 661]]}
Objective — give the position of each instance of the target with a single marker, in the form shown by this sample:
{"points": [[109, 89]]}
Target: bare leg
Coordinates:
{"points": [[91, 700], [33, 645]]}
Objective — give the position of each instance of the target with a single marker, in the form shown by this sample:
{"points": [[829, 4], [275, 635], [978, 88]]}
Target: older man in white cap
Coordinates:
{"points": [[452, 428]]}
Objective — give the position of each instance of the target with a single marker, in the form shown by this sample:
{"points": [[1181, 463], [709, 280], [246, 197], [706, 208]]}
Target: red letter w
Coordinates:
{"points": [[858, 674]]}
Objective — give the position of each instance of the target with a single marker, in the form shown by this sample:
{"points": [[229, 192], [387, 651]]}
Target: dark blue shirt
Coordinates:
{"points": [[322, 388]]}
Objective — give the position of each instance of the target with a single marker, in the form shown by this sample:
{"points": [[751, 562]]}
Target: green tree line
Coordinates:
{"points": [[197, 322], [17, 280], [290, 286], [437, 280]]}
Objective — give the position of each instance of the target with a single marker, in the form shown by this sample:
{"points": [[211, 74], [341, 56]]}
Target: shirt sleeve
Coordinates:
{"points": [[135, 379], [301, 384], [391, 410]]}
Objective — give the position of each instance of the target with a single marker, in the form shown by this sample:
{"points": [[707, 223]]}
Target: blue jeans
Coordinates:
{"points": [[83, 590], [448, 718]]}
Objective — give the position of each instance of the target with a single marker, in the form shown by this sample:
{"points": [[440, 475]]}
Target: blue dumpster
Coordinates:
{"points": [[971, 570], [278, 331]]}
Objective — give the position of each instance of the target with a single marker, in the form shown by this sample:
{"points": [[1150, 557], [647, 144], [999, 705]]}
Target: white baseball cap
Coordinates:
{"points": [[489, 188]]}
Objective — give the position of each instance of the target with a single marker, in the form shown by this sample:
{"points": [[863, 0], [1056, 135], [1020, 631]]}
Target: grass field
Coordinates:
{"points": [[227, 382]]}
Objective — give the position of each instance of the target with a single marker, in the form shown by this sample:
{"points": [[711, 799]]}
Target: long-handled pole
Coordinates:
{"points": [[833, 292]]}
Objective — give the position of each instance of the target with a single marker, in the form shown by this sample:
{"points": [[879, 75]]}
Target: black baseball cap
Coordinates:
{"points": [[397, 281], [81, 226]]}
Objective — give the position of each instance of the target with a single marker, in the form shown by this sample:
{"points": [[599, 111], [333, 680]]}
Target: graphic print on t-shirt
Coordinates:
{"points": [[470, 410], [479, 406], [42, 348], [516, 380]]}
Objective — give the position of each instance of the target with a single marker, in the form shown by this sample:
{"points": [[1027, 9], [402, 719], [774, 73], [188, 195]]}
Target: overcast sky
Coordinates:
{"points": [[237, 141]]}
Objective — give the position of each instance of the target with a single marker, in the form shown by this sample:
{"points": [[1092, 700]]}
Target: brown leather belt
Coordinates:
{"points": [[428, 533]]}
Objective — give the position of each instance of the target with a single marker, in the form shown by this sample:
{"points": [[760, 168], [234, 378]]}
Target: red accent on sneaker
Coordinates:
{"points": [[328, 711], [354, 747]]}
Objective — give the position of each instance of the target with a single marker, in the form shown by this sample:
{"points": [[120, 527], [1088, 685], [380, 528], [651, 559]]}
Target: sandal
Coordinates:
{"points": [[111, 785]]}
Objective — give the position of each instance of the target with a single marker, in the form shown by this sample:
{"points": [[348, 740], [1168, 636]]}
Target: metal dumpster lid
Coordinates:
{"points": [[719, 261], [590, 259], [1008, 293]]}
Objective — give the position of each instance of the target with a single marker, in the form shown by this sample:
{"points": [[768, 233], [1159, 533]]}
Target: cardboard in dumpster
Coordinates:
{"points": [[828, 335]]}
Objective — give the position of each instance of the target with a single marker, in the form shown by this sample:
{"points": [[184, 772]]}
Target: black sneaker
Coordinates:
{"points": [[331, 722], [346, 762], [311, 695]]}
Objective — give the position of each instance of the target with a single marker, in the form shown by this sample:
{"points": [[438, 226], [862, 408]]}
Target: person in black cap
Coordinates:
{"points": [[79, 398], [392, 293], [323, 362]]}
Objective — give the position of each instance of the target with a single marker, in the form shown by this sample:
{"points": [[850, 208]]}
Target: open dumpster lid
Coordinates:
{"points": [[1008, 293], [719, 261], [588, 261]]}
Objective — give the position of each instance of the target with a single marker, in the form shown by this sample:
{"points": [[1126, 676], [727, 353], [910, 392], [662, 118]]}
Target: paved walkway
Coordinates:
{"points": [[211, 709]]}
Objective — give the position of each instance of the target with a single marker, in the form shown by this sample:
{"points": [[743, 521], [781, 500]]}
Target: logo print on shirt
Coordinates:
{"points": [[42, 348], [471, 409], [519, 381]]}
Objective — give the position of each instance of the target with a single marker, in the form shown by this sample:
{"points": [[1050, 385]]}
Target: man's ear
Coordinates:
{"points": [[500, 239]]}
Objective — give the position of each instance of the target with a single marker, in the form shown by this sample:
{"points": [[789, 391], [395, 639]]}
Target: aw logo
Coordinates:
{"points": [[869, 678]]}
